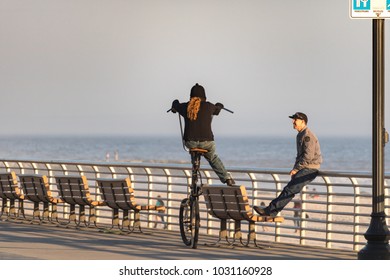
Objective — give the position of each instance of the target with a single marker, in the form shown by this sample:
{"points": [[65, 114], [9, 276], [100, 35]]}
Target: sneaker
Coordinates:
{"points": [[260, 211], [230, 182]]}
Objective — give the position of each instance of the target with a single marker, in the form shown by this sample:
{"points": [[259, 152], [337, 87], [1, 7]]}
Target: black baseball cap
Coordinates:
{"points": [[300, 116]]}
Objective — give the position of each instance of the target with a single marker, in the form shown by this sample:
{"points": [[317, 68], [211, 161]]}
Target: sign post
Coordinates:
{"points": [[377, 235]]}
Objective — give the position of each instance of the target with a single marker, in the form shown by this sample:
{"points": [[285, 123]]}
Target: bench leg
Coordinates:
{"points": [[237, 232], [252, 236], [45, 213], [82, 218], [223, 234], [92, 216], [21, 209], [79, 218], [137, 221], [72, 214], [251, 233], [114, 222], [4, 207], [36, 213], [126, 219], [115, 218], [12, 210], [53, 213], [71, 217]]}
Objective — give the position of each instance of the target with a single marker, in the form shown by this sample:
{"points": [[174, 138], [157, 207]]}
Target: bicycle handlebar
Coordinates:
{"points": [[230, 111]]}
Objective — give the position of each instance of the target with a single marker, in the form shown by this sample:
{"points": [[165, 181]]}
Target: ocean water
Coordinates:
{"points": [[340, 154]]}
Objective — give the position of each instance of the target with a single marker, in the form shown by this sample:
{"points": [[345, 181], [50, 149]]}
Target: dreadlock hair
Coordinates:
{"points": [[193, 108]]}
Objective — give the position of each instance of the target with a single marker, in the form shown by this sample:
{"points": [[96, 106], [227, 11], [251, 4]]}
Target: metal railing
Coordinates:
{"points": [[335, 208]]}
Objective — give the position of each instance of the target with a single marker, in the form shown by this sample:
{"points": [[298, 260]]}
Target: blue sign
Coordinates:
{"points": [[373, 9], [363, 5]]}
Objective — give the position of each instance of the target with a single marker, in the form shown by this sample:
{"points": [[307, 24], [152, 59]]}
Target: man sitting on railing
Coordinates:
{"points": [[305, 169]]}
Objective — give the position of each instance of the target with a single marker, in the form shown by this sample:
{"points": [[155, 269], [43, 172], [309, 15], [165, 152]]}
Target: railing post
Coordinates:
{"points": [[302, 216], [356, 210], [97, 192], [35, 167], [130, 173], [188, 174], [207, 174], [80, 169], [329, 212], [65, 206], [6, 165], [21, 167], [169, 197], [150, 190], [255, 191], [113, 172], [64, 169], [278, 190]]}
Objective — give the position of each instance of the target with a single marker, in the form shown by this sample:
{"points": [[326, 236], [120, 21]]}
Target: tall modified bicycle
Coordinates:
{"points": [[189, 218]]}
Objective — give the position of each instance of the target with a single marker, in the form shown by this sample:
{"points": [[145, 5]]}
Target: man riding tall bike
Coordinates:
{"points": [[198, 114], [198, 138]]}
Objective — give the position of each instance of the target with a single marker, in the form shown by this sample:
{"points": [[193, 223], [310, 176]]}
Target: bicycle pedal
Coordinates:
{"points": [[197, 194]]}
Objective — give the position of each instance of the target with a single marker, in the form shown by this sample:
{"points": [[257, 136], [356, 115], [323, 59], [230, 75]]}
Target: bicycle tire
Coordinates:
{"points": [[189, 222], [185, 222]]}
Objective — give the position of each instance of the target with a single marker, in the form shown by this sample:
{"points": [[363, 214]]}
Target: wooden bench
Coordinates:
{"points": [[231, 202], [119, 195], [9, 190], [36, 188], [74, 190]]}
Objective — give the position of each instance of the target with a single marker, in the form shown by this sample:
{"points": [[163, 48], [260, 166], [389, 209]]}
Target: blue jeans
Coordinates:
{"points": [[213, 159], [298, 181]]}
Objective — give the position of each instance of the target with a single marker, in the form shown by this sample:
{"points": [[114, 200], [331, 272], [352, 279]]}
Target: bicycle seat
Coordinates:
{"points": [[198, 150]]}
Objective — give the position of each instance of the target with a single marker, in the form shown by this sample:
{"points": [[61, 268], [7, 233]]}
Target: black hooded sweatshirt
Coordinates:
{"points": [[199, 129]]}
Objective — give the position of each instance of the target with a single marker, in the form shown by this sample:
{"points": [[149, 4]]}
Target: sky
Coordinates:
{"points": [[113, 67]]}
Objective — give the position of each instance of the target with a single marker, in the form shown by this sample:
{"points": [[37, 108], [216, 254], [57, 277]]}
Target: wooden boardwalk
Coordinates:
{"points": [[20, 241]]}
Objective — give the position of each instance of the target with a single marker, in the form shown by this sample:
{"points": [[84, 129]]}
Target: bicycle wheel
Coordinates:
{"points": [[185, 221], [189, 222]]}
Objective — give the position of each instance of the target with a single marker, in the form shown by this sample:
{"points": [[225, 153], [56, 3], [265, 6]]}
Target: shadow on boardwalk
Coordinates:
{"points": [[48, 242]]}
